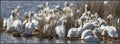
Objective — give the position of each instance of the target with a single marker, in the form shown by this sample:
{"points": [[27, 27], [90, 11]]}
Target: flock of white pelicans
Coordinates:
{"points": [[91, 26]]}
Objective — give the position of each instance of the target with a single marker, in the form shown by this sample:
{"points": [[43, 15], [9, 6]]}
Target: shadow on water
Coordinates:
{"points": [[9, 38]]}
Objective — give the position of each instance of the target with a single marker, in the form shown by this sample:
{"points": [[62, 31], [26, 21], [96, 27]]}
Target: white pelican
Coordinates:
{"points": [[102, 28], [17, 24], [77, 19], [92, 16], [47, 9], [58, 11], [35, 21], [86, 33], [84, 15], [87, 17], [88, 12], [80, 30], [40, 8], [80, 22], [47, 19], [36, 24], [66, 9], [111, 31], [72, 32], [86, 5], [26, 16], [88, 36], [89, 26], [17, 10], [29, 26], [10, 20], [71, 13], [41, 13], [61, 30], [101, 21], [110, 18], [75, 32]]}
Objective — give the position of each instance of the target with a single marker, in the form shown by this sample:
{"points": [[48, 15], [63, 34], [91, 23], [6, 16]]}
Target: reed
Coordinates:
{"points": [[103, 10], [1, 21]]}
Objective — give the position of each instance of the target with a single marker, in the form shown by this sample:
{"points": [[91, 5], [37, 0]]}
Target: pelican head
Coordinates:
{"points": [[110, 16], [26, 16], [64, 21], [52, 11], [92, 15], [18, 7], [57, 7], [86, 5], [66, 4], [71, 5], [17, 10], [88, 12], [78, 11], [40, 6]]}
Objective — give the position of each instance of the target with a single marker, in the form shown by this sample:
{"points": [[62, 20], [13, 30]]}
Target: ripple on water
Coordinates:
{"points": [[8, 38]]}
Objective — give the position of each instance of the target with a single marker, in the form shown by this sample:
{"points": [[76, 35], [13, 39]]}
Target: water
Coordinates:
{"points": [[8, 6], [8, 38]]}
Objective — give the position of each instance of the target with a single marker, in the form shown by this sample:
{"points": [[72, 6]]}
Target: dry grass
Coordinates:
{"points": [[1, 21], [93, 6], [113, 7]]}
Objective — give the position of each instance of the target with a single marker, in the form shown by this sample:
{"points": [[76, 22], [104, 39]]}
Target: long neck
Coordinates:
{"points": [[17, 17], [29, 20], [47, 6], [85, 9]]}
